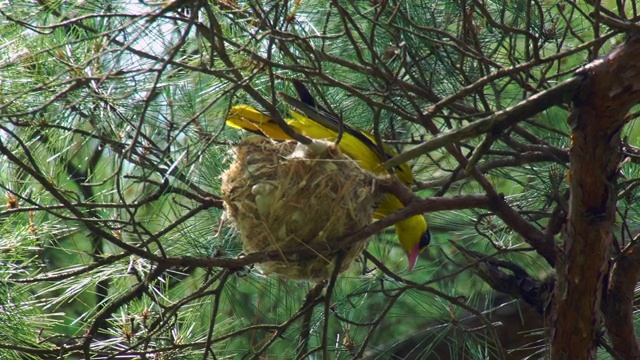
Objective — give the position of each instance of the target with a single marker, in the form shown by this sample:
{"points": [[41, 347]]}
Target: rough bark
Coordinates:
{"points": [[618, 304], [611, 86]]}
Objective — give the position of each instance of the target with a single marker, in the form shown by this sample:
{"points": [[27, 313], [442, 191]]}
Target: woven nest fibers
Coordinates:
{"points": [[282, 195]]}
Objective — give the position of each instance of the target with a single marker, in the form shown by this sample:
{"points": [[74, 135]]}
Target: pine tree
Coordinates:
{"points": [[517, 119]]}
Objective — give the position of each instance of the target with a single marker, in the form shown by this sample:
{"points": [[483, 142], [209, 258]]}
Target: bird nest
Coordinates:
{"points": [[284, 195]]}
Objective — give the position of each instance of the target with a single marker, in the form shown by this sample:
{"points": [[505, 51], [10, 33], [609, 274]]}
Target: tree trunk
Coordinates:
{"points": [[610, 88]]}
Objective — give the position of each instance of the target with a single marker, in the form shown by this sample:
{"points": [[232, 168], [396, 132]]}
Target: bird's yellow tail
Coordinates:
{"points": [[249, 119]]}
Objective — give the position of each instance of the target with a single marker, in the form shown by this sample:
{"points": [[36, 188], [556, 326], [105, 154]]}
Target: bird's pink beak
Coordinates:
{"points": [[413, 256]]}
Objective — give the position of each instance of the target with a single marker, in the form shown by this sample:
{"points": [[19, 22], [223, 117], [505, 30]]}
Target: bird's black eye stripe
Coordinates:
{"points": [[425, 240]]}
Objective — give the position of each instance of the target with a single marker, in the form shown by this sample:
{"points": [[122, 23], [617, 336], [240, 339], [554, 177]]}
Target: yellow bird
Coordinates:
{"points": [[317, 123]]}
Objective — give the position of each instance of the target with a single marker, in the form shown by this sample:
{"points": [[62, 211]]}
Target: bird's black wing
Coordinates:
{"points": [[308, 106]]}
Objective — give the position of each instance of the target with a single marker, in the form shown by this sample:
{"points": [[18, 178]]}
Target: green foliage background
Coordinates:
{"points": [[112, 134]]}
